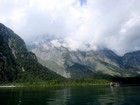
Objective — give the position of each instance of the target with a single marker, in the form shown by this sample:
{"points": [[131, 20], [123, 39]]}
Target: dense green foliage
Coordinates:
{"points": [[75, 82], [8, 65], [16, 63]]}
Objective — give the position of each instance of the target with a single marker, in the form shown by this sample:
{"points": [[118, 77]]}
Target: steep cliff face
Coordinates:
{"points": [[132, 60], [80, 64], [16, 63]]}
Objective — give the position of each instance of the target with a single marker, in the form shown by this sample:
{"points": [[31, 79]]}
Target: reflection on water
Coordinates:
{"points": [[70, 96]]}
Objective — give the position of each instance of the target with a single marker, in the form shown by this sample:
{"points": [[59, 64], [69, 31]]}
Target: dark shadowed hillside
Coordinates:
{"points": [[17, 63]]}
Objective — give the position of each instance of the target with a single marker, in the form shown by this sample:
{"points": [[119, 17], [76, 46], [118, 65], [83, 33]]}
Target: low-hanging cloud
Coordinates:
{"points": [[114, 24]]}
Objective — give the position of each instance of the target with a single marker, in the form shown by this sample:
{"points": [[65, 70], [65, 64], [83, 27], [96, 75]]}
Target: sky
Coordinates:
{"points": [[82, 24]]}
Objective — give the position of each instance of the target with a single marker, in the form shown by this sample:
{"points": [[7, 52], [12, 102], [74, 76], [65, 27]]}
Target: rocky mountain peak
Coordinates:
{"points": [[79, 64]]}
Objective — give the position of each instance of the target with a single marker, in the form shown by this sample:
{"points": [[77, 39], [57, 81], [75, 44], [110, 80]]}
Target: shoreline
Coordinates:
{"points": [[58, 85], [9, 86], [50, 83]]}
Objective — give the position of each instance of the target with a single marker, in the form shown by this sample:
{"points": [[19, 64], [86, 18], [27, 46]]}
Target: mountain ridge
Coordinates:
{"points": [[100, 63], [17, 63], [50, 59]]}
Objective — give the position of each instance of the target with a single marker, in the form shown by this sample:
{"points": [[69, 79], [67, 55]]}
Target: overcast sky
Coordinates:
{"points": [[114, 24]]}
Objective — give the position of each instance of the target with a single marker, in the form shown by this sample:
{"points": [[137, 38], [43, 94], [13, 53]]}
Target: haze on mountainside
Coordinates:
{"points": [[81, 24]]}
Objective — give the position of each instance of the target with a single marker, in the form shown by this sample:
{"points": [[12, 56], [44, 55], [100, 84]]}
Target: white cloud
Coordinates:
{"points": [[110, 23], [56, 43]]}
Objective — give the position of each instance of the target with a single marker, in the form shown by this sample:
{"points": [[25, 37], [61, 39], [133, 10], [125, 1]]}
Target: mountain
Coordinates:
{"points": [[132, 60], [17, 63], [80, 64], [53, 59]]}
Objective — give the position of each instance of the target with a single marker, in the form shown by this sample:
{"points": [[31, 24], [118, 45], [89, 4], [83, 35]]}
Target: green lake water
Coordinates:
{"points": [[84, 95]]}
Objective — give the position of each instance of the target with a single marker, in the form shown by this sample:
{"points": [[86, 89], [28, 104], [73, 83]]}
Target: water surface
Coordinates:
{"points": [[85, 95]]}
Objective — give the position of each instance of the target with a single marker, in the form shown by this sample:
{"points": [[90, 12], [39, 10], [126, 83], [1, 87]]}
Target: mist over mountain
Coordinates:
{"points": [[71, 63], [48, 59]]}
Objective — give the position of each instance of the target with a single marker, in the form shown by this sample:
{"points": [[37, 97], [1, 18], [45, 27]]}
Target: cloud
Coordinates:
{"points": [[81, 23]]}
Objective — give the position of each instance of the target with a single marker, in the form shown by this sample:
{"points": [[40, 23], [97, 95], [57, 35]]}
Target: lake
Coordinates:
{"points": [[84, 95]]}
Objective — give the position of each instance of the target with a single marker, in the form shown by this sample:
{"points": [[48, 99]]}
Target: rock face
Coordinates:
{"points": [[80, 64], [132, 60], [16, 62]]}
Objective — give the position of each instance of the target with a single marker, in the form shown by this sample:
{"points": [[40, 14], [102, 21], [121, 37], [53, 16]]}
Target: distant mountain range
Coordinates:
{"points": [[85, 64], [46, 60], [17, 63]]}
